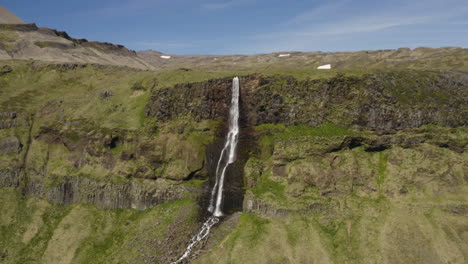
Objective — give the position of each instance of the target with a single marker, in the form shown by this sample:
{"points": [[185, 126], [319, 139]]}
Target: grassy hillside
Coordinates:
{"points": [[35, 231], [403, 58], [309, 199], [90, 175]]}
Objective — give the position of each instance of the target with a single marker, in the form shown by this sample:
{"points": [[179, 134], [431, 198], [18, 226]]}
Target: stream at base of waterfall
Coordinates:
{"points": [[227, 156]]}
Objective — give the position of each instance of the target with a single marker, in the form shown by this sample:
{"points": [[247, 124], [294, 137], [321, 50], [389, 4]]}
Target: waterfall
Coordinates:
{"points": [[227, 156], [229, 149]]}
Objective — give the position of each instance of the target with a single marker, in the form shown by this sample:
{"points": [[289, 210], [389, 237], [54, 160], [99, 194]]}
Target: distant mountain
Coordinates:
{"points": [[419, 58], [19, 40], [6, 17]]}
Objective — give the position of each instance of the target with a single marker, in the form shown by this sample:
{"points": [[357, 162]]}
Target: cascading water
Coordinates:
{"points": [[227, 156], [229, 149]]}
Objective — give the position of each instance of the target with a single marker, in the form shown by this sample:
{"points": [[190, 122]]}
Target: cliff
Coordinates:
{"points": [[108, 164], [378, 101]]}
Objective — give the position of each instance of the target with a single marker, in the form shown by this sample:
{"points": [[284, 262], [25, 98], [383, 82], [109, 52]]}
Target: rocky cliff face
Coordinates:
{"points": [[80, 162], [52, 155], [381, 101], [341, 161]]}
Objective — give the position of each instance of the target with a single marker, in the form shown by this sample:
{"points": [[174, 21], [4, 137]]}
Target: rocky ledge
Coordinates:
{"points": [[378, 101]]}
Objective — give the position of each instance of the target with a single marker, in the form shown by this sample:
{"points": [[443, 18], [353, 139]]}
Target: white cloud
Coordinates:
{"points": [[225, 4], [335, 21], [161, 45], [317, 13], [123, 8], [221, 5]]}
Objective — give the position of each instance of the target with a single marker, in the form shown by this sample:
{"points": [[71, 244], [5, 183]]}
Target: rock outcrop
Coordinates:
{"points": [[10, 145], [27, 41], [380, 101], [79, 162]]}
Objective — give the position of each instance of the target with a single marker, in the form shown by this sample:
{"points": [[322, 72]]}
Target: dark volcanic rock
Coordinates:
{"points": [[19, 27], [380, 101], [137, 195], [263, 208], [203, 100], [12, 119], [132, 194], [5, 69], [106, 94]]}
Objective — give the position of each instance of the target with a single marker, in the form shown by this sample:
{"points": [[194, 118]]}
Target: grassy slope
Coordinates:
{"points": [[34, 231], [421, 58], [354, 228], [399, 205], [379, 232], [79, 89]]}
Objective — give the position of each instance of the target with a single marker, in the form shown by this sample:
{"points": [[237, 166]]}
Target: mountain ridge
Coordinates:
{"points": [[24, 41], [20, 40], [7, 17]]}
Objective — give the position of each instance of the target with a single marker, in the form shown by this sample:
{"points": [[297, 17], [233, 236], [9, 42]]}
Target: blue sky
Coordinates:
{"points": [[254, 26]]}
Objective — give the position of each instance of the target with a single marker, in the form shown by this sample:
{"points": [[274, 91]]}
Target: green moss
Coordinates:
{"points": [[415, 87], [117, 149], [325, 130], [294, 234], [126, 226], [250, 230], [201, 137], [270, 128], [42, 44], [382, 168], [330, 228], [107, 236], [145, 84], [195, 183], [285, 132], [267, 145], [8, 40], [269, 188], [11, 234], [72, 135], [256, 225]]}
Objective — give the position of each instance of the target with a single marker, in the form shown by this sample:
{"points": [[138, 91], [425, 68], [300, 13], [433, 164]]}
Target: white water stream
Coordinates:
{"points": [[228, 156]]}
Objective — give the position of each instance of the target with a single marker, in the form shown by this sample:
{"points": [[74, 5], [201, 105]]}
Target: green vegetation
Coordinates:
{"points": [[42, 44], [267, 145], [34, 231], [408, 87], [8, 40], [392, 198], [304, 65], [352, 228], [75, 94], [382, 167], [255, 227], [326, 130], [266, 186]]}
